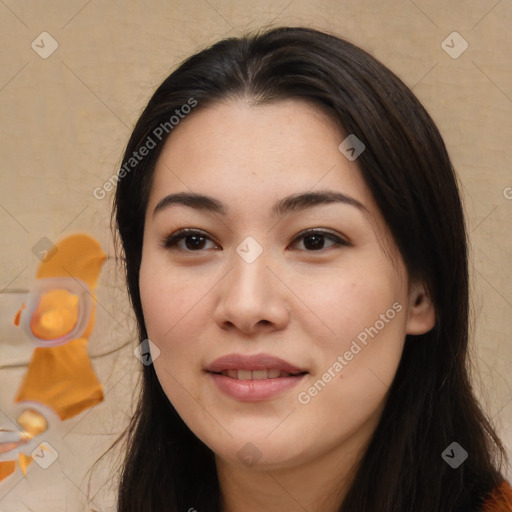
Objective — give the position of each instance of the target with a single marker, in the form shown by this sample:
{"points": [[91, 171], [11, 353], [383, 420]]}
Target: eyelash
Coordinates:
{"points": [[171, 241]]}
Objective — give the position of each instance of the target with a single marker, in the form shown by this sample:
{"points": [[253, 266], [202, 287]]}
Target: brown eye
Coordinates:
{"points": [[194, 241], [315, 240]]}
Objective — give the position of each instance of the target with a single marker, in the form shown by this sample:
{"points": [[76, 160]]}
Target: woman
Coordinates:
{"points": [[296, 259]]}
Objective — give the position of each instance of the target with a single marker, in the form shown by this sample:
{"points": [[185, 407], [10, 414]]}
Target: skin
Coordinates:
{"points": [[303, 305]]}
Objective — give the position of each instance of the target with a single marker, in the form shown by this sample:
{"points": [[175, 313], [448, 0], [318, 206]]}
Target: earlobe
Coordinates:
{"points": [[421, 312]]}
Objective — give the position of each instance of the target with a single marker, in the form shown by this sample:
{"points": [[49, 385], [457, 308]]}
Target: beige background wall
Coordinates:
{"points": [[66, 119]]}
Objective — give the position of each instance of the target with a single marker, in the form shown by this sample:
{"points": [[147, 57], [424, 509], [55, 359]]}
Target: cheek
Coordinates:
{"points": [[174, 314], [343, 302], [170, 301], [356, 368], [365, 310]]}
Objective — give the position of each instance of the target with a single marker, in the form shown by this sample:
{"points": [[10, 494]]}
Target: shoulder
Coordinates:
{"points": [[500, 499]]}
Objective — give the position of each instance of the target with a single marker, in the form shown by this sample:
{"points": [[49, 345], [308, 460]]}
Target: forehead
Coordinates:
{"points": [[251, 156]]}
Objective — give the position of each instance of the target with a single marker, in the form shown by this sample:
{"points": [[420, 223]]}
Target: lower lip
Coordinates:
{"points": [[254, 390]]}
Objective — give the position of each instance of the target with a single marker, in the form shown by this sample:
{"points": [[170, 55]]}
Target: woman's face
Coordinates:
{"points": [[248, 285]]}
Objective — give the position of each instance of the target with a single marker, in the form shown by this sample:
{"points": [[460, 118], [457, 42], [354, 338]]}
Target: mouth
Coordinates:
{"points": [[254, 366], [269, 373], [254, 378]]}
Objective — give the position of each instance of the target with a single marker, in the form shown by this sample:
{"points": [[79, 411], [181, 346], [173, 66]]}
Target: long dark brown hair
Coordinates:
{"points": [[406, 167]]}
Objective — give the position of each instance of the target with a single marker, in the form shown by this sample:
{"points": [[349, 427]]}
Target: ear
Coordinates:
{"points": [[421, 316]]}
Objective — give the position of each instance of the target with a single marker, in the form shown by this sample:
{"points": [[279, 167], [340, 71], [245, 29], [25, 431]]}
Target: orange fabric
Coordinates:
{"points": [[18, 315], [7, 468], [77, 256], [24, 462], [62, 377], [500, 500], [33, 423]]}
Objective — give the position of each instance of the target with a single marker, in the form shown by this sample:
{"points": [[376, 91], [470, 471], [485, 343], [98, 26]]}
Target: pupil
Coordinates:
{"points": [[196, 244], [318, 242]]}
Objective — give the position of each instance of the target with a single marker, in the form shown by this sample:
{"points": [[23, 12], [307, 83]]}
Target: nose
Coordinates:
{"points": [[251, 298]]}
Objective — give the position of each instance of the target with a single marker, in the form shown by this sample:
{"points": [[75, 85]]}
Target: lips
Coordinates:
{"points": [[267, 373], [254, 378], [253, 367]]}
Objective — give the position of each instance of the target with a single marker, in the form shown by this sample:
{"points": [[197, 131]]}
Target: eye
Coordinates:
{"points": [[194, 240], [314, 239]]}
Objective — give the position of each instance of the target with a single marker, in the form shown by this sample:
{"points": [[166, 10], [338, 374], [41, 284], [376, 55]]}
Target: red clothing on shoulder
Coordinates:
{"points": [[500, 499]]}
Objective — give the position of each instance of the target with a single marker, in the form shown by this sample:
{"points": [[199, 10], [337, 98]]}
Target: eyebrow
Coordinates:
{"points": [[294, 202]]}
